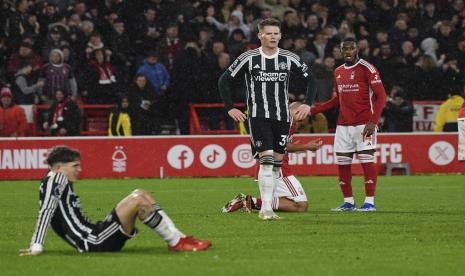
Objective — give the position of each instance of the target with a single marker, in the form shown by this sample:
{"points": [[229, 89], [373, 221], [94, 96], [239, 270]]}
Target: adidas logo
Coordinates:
{"points": [[369, 182], [342, 183], [338, 76], [256, 66]]}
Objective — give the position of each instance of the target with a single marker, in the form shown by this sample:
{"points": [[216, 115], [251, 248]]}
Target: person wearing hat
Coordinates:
{"points": [[57, 75], [13, 121]]}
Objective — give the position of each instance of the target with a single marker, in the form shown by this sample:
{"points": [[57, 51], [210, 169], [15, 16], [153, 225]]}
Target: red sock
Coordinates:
{"points": [[258, 203], [345, 179], [369, 171]]}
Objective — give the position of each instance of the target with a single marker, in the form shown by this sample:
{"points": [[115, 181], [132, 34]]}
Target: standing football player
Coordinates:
{"points": [[360, 95], [266, 71]]}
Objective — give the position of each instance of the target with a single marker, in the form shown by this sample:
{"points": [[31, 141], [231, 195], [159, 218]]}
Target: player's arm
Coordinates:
{"points": [[312, 145], [302, 70], [376, 85], [225, 86], [50, 195]]}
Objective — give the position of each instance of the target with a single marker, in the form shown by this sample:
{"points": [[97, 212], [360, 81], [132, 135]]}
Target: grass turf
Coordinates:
{"points": [[418, 230]]}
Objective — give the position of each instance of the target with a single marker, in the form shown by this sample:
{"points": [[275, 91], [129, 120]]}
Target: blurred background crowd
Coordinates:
{"points": [[152, 58]]}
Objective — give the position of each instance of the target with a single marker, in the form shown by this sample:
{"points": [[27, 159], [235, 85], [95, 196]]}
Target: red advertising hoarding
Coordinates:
{"points": [[179, 156]]}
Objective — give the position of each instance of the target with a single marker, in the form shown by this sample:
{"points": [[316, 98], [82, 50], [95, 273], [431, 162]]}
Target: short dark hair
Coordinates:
{"points": [[62, 154], [349, 39], [269, 22]]}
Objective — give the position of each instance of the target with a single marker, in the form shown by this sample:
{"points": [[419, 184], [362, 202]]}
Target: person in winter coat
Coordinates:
{"points": [[13, 121], [65, 116]]}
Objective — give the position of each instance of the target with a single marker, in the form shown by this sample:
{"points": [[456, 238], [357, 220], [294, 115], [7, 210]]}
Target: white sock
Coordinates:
{"points": [[349, 200], [164, 226], [266, 184], [370, 199], [166, 232]]}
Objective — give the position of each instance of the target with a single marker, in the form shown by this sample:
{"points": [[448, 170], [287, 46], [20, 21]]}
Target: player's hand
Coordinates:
{"points": [[314, 145], [368, 130], [302, 112], [237, 115]]}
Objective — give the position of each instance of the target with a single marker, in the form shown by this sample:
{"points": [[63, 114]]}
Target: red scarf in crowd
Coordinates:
{"points": [[59, 111], [105, 72]]}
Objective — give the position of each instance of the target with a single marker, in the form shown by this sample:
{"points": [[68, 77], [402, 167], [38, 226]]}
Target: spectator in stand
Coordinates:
{"points": [[48, 15], [99, 84], [64, 116], [120, 45], [58, 75], [446, 37], [311, 26], [446, 118], [430, 46], [148, 32], [16, 23], [169, 46], [236, 21], [119, 122], [459, 52], [54, 40], [364, 49], [291, 26], [25, 55], [28, 90], [320, 46], [95, 43], [145, 116], [237, 43], [4, 53], [13, 121], [424, 80], [398, 112], [158, 77], [300, 49]]}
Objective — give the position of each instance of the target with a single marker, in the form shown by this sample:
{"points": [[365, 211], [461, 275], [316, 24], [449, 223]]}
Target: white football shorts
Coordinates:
{"points": [[350, 139], [461, 149], [289, 187]]}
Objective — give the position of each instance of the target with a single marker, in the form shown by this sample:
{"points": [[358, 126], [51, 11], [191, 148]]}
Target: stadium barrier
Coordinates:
{"points": [[423, 118], [220, 155]]}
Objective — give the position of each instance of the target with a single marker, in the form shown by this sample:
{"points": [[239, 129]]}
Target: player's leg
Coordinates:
{"points": [[344, 148], [140, 204], [289, 195], [262, 139], [366, 148], [461, 144]]}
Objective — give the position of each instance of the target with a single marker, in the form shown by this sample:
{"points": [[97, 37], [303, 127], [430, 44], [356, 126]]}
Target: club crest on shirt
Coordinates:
{"points": [[352, 75], [258, 143], [282, 66]]}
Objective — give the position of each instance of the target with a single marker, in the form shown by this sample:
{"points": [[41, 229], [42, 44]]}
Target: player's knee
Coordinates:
{"points": [[343, 160], [366, 158], [301, 206], [138, 198]]}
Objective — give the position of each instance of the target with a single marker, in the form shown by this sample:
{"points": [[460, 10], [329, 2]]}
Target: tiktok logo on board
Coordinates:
{"points": [[213, 156]]}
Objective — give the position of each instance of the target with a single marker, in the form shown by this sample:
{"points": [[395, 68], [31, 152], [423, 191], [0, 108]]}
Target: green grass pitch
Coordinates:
{"points": [[419, 229]]}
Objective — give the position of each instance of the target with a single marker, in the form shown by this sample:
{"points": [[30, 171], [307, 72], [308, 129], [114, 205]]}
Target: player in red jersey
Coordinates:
{"points": [[461, 127], [360, 95], [288, 196]]}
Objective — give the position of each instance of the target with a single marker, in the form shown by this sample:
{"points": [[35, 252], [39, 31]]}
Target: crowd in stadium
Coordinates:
{"points": [[153, 58]]}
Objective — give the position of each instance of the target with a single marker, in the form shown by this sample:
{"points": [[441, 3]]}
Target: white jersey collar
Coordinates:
{"points": [[269, 56]]}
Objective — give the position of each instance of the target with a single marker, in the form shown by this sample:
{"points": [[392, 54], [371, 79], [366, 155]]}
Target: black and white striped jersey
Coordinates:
{"points": [[60, 208], [267, 80]]}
